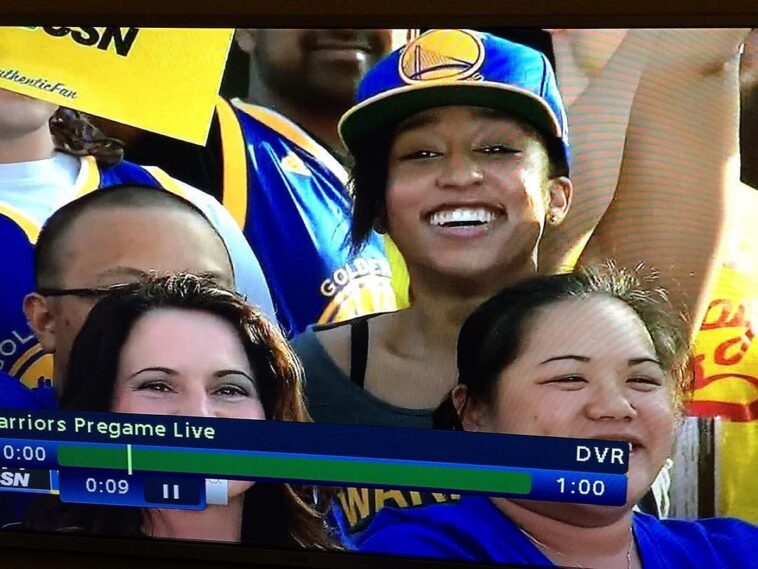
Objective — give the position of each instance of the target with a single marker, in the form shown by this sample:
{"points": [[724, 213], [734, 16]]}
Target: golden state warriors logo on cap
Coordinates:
{"points": [[442, 55]]}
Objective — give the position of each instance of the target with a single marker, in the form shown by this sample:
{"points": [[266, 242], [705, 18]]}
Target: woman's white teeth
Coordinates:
{"points": [[462, 216]]}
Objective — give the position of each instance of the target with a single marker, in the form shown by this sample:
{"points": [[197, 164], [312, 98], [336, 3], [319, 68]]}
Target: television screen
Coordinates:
{"points": [[381, 296]]}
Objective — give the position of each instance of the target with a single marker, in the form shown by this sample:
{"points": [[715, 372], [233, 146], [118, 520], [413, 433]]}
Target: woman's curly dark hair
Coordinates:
{"points": [[493, 336], [74, 134]]}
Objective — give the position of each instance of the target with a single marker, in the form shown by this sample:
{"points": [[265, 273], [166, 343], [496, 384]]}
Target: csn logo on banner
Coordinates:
{"points": [[135, 76], [119, 39]]}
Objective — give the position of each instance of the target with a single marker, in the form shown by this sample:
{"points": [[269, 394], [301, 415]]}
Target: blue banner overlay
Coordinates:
{"points": [[383, 443], [176, 490], [536, 484], [163, 461]]}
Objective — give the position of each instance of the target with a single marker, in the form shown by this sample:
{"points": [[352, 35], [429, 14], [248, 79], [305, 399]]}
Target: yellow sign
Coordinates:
{"points": [[737, 459], [726, 350], [726, 363], [163, 80]]}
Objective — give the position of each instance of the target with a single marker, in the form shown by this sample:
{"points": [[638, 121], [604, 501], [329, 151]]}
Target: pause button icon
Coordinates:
{"points": [[170, 491], [174, 491]]}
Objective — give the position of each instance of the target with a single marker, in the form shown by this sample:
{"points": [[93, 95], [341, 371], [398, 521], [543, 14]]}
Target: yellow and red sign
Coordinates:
{"points": [[726, 351], [163, 80], [726, 364]]}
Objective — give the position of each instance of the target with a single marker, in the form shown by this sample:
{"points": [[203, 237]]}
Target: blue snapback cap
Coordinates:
{"points": [[457, 67]]}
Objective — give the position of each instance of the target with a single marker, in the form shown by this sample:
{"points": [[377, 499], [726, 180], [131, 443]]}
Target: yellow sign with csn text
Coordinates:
{"points": [[163, 80]]}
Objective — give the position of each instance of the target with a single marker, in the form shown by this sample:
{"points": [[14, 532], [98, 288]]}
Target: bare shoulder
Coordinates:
{"points": [[336, 340]]}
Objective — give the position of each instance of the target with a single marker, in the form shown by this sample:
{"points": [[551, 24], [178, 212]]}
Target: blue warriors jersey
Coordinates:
{"points": [[21, 356], [288, 194]]}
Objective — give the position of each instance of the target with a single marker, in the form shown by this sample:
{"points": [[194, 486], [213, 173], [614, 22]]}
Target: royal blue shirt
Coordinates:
{"points": [[16, 395], [474, 529]]}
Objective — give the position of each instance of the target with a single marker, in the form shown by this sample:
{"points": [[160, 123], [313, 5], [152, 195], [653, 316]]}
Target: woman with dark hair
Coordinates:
{"points": [[181, 345], [461, 154], [468, 171], [49, 156], [595, 355]]}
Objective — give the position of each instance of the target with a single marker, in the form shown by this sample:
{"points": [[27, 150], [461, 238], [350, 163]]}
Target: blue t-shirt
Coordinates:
{"points": [[475, 530]]}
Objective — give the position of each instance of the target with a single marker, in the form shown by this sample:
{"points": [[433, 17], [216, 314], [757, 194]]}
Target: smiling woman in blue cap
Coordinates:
{"points": [[461, 154]]}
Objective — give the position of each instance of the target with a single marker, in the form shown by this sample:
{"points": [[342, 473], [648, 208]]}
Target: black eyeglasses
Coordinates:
{"points": [[83, 292]]}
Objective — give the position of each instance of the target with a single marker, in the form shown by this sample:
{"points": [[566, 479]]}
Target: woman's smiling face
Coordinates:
{"points": [[187, 362], [467, 192], [587, 368]]}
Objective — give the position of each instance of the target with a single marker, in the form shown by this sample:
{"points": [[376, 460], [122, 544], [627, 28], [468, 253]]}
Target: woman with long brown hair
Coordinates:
{"points": [[181, 345]]}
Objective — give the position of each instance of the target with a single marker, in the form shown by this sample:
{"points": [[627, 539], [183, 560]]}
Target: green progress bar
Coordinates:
{"points": [[327, 470]]}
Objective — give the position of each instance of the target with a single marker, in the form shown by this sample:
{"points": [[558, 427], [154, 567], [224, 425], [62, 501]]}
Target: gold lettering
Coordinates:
{"points": [[416, 499], [382, 496], [355, 504]]}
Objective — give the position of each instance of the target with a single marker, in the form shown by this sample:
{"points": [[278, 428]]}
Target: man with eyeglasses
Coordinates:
{"points": [[111, 236]]}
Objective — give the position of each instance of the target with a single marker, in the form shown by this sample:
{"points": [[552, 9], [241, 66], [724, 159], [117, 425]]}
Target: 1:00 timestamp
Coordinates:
{"points": [[582, 487]]}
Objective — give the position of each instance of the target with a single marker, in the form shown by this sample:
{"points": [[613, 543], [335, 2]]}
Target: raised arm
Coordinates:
{"points": [[680, 160], [598, 119]]}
